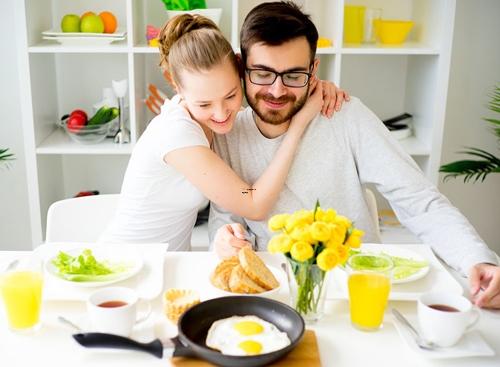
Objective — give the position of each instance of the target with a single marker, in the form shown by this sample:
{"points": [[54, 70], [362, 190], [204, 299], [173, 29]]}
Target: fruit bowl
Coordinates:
{"points": [[88, 134]]}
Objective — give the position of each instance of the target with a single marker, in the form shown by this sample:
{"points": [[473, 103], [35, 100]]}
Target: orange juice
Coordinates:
{"points": [[22, 296], [368, 295]]}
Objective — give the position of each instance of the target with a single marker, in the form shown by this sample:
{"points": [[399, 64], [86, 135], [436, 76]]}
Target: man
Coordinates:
{"points": [[278, 45]]}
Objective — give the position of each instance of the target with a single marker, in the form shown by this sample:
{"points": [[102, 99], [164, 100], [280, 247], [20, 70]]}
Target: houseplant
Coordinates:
{"points": [[478, 169], [313, 242], [5, 156]]}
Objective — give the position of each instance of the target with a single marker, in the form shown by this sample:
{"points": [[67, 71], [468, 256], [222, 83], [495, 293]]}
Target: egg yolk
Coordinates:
{"points": [[251, 347], [248, 327]]}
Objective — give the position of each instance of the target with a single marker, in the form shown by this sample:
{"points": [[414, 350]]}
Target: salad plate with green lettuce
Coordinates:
{"points": [[408, 265], [93, 268]]}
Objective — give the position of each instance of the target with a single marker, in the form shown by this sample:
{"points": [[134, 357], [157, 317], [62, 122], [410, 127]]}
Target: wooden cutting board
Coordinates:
{"points": [[306, 353]]}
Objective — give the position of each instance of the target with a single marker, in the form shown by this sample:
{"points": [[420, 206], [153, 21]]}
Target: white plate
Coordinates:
{"points": [[119, 33], [437, 279], [472, 344], [132, 258], [148, 282], [83, 41]]}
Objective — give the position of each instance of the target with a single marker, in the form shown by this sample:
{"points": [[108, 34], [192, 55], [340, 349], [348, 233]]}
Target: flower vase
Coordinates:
{"points": [[308, 285]]}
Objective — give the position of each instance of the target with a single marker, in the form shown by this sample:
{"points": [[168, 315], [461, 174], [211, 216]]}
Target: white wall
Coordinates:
{"points": [[475, 69], [15, 230]]}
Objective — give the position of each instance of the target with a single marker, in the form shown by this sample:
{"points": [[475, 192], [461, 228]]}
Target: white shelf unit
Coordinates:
{"points": [[56, 79]]}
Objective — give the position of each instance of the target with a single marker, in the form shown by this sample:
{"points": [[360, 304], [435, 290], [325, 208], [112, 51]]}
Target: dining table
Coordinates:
{"points": [[339, 343]]}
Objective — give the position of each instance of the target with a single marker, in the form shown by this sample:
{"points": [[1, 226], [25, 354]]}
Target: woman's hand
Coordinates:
{"points": [[311, 108], [333, 98]]}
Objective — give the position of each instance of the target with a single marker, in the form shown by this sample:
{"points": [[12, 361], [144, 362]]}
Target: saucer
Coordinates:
{"points": [[472, 344]]}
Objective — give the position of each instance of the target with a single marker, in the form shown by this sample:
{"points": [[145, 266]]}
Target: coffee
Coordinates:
{"points": [[444, 308], [112, 304]]}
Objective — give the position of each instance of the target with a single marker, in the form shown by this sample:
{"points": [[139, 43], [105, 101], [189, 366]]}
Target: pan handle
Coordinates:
{"points": [[102, 340], [180, 350]]}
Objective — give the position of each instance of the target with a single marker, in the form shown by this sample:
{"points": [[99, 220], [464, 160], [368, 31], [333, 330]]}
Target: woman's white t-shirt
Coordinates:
{"points": [[157, 203]]}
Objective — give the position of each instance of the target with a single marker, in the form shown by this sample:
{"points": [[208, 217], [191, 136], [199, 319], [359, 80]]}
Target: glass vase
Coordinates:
{"points": [[308, 285]]}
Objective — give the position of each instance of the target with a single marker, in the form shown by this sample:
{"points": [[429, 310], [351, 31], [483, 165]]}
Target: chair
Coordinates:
{"points": [[372, 208], [80, 219]]}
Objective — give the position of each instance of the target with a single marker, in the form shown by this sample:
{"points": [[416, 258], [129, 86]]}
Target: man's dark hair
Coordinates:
{"points": [[275, 23]]}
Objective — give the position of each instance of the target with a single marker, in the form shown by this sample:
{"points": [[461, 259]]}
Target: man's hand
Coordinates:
{"points": [[485, 285], [333, 98], [229, 239]]}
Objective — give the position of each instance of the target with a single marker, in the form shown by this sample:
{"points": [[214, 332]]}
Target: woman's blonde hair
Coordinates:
{"points": [[193, 43]]}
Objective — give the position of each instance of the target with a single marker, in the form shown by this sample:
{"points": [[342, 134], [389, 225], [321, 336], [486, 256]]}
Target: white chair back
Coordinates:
{"points": [[80, 219]]}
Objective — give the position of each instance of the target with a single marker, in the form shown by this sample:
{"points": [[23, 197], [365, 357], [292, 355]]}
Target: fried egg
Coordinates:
{"points": [[245, 336]]}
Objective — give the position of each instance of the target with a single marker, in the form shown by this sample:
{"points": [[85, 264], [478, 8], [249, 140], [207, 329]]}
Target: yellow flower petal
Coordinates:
{"points": [[327, 259], [277, 222], [280, 244], [301, 251], [320, 231]]}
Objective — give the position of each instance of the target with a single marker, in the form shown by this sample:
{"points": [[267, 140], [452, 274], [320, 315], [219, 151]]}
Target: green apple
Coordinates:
{"points": [[70, 23], [92, 24]]}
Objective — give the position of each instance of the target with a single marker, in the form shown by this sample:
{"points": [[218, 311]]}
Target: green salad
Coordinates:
{"points": [[403, 267], [86, 268]]}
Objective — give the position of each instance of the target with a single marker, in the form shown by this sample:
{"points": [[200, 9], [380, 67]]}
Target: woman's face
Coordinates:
{"points": [[213, 98]]}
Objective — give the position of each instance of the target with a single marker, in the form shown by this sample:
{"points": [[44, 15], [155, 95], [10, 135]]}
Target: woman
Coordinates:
{"points": [[173, 171]]}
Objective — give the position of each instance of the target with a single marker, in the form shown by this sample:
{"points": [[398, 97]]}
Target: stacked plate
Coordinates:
{"points": [[84, 39]]}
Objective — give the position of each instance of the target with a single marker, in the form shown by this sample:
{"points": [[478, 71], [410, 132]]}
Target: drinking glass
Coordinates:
{"points": [[21, 290], [369, 289]]}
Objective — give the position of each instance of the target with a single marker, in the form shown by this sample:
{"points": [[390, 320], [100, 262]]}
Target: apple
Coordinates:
{"points": [[92, 24], [70, 23]]}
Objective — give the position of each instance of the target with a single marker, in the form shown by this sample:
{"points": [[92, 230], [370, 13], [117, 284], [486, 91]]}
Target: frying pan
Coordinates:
{"points": [[194, 325]]}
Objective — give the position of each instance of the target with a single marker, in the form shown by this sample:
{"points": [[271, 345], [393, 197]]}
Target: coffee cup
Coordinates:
{"points": [[114, 310], [445, 317]]}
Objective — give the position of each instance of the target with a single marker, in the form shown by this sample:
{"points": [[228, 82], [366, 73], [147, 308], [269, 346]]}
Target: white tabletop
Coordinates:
{"points": [[339, 343]]}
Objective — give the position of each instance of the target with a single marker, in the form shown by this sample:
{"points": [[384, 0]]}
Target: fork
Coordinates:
{"points": [[421, 342]]}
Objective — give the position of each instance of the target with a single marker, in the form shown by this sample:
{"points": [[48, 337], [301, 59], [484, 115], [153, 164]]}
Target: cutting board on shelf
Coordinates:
{"points": [[306, 353]]}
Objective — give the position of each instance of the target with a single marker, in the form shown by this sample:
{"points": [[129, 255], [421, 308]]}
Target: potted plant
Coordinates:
{"points": [[177, 7], [5, 156], [478, 169]]}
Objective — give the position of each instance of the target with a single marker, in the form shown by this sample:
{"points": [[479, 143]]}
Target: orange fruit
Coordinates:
{"points": [[87, 13], [109, 20]]}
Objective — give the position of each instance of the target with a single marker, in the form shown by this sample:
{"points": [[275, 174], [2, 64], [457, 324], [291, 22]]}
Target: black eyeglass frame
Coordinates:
{"points": [[276, 74]]}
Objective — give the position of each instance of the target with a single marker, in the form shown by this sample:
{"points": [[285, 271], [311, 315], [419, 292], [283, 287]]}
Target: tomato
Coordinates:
{"points": [[76, 122], [80, 112]]}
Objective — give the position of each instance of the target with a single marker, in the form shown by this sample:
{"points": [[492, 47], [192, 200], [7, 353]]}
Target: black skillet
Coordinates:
{"points": [[194, 324]]}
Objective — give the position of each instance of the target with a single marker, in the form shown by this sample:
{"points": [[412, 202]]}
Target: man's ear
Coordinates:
{"points": [[315, 66]]}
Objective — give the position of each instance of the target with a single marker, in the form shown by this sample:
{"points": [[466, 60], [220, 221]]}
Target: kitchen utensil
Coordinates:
{"points": [[120, 89], [418, 339], [372, 15], [65, 321], [354, 17], [194, 324], [393, 32]]}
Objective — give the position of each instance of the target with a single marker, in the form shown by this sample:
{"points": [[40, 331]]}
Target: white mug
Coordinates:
{"points": [[445, 317], [114, 310]]}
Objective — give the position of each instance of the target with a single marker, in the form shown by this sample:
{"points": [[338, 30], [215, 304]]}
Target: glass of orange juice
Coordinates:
{"points": [[369, 284], [21, 291]]}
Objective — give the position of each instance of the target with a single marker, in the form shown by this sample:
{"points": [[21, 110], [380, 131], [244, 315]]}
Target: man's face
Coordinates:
{"points": [[277, 103]]}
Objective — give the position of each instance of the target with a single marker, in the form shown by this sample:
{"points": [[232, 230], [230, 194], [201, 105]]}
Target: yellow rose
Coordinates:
{"points": [[354, 239], [338, 232], [302, 232], [320, 231], [277, 222], [340, 219], [342, 252], [301, 251], [327, 259], [327, 216], [280, 244]]}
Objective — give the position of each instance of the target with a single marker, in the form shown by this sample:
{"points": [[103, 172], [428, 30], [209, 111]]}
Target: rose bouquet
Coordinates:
{"points": [[314, 242]]}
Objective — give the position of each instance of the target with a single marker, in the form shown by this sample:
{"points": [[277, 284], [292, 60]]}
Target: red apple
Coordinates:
{"points": [[76, 122], [79, 112]]}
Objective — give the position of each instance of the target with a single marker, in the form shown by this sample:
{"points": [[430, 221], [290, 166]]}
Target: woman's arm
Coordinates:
{"points": [[220, 184]]}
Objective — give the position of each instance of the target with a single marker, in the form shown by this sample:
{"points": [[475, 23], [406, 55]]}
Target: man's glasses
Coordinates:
{"points": [[293, 79]]}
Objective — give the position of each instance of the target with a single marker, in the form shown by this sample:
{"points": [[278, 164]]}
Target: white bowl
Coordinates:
{"points": [[213, 14], [278, 274]]}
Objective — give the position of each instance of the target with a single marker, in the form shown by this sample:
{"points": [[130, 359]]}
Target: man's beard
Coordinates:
{"points": [[277, 117]]}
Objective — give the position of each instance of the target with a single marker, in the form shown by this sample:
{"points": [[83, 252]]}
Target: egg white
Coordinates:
{"points": [[224, 337]]}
